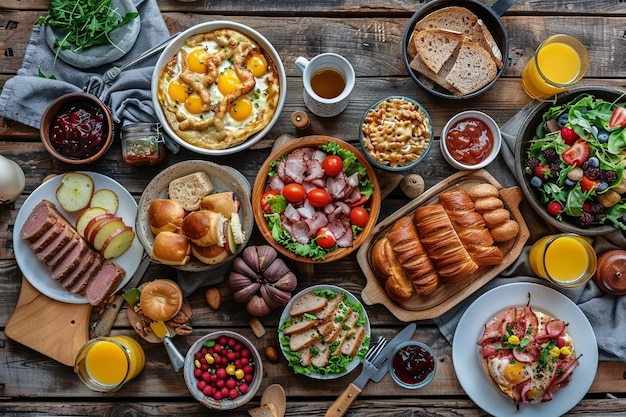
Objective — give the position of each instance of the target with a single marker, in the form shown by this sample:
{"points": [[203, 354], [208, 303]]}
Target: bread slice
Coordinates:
{"points": [[300, 326], [353, 342], [307, 303], [474, 68], [437, 78], [454, 18], [483, 37], [302, 340], [322, 354], [189, 190], [436, 46], [266, 410]]}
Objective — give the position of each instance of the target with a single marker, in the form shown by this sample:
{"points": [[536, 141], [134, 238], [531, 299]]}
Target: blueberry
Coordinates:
{"points": [[602, 186], [593, 162], [569, 183], [563, 119], [603, 136], [536, 181]]}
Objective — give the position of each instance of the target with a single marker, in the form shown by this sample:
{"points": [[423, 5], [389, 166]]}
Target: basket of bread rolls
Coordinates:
{"points": [[195, 215]]}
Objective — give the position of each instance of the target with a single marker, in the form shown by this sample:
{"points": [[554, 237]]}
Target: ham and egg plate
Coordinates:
{"points": [[527, 354], [220, 88]]}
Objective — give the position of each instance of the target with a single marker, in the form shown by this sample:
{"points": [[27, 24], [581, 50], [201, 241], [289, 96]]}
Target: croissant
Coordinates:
{"points": [[385, 265]]}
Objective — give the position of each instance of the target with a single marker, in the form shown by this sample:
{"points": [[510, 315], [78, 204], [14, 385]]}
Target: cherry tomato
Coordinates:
{"points": [[318, 197], [264, 204], [359, 216], [332, 165], [294, 192], [325, 238]]}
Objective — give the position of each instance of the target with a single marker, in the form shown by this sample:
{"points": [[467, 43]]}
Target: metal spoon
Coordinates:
{"points": [[112, 73]]}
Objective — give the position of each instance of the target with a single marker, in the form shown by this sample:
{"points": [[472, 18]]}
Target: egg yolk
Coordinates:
{"points": [[197, 61], [178, 91], [241, 109], [193, 104], [257, 64], [514, 372], [228, 82]]}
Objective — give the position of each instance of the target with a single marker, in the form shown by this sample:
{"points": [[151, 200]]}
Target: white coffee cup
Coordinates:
{"points": [[328, 81]]}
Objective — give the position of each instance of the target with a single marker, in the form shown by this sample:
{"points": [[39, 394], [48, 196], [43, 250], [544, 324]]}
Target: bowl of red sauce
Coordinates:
{"points": [[470, 140], [77, 128], [412, 365]]}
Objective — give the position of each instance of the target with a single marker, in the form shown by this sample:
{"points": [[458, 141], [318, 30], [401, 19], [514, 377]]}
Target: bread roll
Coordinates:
{"points": [[483, 190], [505, 231], [224, 203], [189, 190], [161, 299], [205, 228], [209, 255], [496, 217], [171, 248], [397, 284], [411, 254], [484, 204], [165, 215]]}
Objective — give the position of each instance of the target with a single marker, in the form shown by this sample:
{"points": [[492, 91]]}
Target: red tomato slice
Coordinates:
{"points": [[359, 216], [294, 192], [332, 165], [318, 197], [264, 204], [325, 238]]}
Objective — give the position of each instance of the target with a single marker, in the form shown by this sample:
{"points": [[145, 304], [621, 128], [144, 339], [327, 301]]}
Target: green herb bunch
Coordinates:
{"points": [[84, 23]]}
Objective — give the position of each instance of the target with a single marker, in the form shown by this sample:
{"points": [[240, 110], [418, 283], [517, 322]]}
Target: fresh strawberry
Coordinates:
{"points": [[618, 118], [542, 171], [576, 154], [587, 207], [554, 208], [569, 135]]}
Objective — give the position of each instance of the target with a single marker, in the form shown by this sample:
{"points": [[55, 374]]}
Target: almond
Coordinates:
{"points": [[271, 353], [214, 298]]}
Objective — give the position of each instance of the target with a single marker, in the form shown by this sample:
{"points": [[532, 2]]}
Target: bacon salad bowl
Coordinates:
{"points": [[316, 199]]}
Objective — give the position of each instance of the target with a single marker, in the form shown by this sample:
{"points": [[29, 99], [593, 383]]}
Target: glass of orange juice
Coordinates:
{"points": [[567, 260], [105, 364], [559, 63]]}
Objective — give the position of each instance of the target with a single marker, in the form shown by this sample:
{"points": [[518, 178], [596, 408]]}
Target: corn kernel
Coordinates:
{"points": [[565, 351], [197, 363], [230, 369], [514, 340], [209, 358], [239, 373], [555, 352]]}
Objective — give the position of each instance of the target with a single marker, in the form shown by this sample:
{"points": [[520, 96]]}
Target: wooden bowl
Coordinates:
{"points": [[260, 187]]}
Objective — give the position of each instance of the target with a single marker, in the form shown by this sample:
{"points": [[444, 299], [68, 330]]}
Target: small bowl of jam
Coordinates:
{"points": [[412, 365], [470, 140], [77, 128]]}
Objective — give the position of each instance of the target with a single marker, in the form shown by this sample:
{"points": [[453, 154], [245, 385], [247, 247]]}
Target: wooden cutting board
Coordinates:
{"points": [[53, 328]]}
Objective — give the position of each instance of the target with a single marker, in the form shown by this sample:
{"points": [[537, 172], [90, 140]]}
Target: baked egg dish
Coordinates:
{"points": [[528, 355], [219, 88]]}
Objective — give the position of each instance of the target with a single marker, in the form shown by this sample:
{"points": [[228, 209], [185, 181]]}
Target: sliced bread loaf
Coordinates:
{"points": [[483, 36], [189, 190], [474, 68], [454, 18], [436, 46]]}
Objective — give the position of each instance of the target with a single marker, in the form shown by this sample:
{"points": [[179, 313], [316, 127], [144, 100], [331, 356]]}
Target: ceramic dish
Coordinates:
{"points": [[123, 39], [468, 363], [524, 137], [421, 132], [174, 46], [36, 272], [224, 178], [321, 374], [260, 187], [447, 295]]}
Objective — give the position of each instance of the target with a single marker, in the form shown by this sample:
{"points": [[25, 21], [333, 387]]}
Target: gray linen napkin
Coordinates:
{"points": [[606, 313], [25, 96]]}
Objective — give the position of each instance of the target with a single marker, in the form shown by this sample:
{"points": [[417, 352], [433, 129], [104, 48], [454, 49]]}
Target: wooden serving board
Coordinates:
{"points": [[53, 328], [447, 295]]}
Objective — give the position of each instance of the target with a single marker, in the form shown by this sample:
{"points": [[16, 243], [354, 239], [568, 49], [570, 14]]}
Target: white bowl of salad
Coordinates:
{"points": [[570, 158], [316, 199]]}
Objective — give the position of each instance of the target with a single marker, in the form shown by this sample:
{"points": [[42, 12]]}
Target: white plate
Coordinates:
{"points": [[36, 271], [350, 297], [468, 364]]}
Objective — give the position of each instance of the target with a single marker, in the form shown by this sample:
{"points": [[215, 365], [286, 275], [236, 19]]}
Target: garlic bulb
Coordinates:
{"points": [[261, 280], [12, 180]]}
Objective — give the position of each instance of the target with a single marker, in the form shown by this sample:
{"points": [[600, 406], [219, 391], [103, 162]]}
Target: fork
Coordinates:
{"points": [[112, 73], [375, 350]]}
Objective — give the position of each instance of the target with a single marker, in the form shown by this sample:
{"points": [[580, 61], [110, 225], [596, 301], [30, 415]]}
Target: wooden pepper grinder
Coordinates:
{"points": [[300, 120]]}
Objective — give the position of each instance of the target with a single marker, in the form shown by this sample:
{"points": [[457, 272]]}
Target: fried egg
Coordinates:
{"points": [[219, 89]]}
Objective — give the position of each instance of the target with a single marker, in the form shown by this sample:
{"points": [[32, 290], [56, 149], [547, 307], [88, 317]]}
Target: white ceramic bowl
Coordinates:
{"points": [[491, 125], [192, 381], [419, 354], [173, 48]]}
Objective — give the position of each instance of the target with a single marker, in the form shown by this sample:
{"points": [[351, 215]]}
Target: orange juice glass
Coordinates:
{"points": [[559, 63], [105, 364], [567, 260]]}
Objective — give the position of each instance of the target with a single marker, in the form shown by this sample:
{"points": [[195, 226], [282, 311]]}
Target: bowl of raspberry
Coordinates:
{"points": [[570, 156], [77, 128], [223, 370]]}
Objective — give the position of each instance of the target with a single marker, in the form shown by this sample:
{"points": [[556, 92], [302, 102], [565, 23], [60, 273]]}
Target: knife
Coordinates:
{"points": [[370, 370], [104, 324]]}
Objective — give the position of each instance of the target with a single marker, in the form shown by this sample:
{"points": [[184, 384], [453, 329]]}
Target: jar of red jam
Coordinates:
{"points": [[412, 365], [142, 144]]}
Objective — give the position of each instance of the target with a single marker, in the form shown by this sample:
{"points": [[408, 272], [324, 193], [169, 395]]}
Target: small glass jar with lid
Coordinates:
{"points": [[142, 144]]}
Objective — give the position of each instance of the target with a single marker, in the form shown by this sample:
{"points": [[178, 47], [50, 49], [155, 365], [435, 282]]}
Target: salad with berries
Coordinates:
{"points": [[576, 161]]}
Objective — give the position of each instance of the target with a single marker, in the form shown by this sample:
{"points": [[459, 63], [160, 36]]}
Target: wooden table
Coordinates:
{"points": [[369, 34]]}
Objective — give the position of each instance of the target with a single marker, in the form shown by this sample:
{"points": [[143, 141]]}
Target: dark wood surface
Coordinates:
{"points": [[369, 34]]}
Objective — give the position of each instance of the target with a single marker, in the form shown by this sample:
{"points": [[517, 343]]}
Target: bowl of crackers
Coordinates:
{"points": [[396, 133], [455, 49]]}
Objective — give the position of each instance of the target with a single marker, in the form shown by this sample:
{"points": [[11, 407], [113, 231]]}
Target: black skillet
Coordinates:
{"points": [[489, 15]]}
